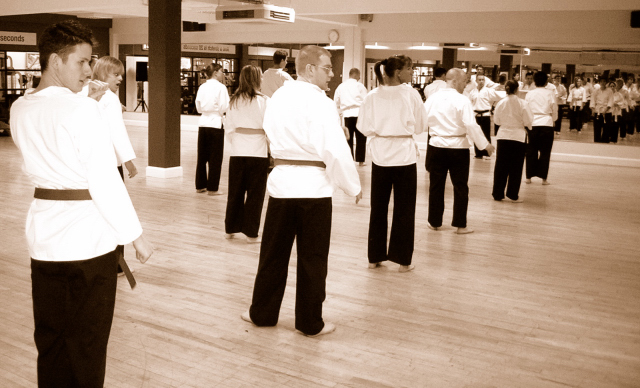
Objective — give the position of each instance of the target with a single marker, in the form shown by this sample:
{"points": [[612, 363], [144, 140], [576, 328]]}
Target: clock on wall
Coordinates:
{"points": [[333, 36]]}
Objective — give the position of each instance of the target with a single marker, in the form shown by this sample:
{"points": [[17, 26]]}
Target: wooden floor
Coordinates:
{"points": [[546, 293]]}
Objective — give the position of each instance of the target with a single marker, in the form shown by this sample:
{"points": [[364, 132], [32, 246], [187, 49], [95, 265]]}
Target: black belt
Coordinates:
{"points": [[293, 162], [62, 195], [479, 113], [80, 195]]}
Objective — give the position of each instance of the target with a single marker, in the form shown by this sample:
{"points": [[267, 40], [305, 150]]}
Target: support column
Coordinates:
{"points": [[165, 28], [546, 68], [353, 52], [571, 73], [506, 65], [449, 58]]}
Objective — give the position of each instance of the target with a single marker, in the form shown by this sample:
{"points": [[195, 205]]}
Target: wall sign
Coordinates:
{"points": [[209, 48], [18, 38]]}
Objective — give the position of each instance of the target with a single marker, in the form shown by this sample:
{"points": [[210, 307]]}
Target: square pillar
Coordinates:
{"points": [[165, 29], [449, 57]]}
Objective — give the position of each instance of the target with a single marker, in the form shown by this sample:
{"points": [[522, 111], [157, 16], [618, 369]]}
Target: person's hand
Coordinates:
{"points": [[133, 171], [346, 132], [144, 249], [358, 197], [490, 149], [97, 89]]}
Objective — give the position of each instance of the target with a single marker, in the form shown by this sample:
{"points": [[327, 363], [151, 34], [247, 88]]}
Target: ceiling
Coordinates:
{"points": [[551, 26]]}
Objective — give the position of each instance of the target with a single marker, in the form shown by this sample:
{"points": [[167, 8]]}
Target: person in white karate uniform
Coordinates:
{"points": [[248, 161], [80, 213], [311, 160]]}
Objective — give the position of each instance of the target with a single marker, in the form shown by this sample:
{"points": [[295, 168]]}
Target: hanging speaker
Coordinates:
{"points": [[142, 71], [635, 19]]}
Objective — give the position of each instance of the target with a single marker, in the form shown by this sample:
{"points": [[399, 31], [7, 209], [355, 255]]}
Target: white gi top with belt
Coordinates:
{"points": [[577, 97], [602, 101], [451, 119], [542, 102], [483, 100], [272, 80], [302, 123], [512, 114], [350, 93], [112, 112], [391, 115], [212, 101], [245, 114], [65, 144]]}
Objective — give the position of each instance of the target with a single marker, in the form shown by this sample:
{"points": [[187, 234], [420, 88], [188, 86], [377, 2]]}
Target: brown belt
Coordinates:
{"points": [[293, 162], [79, 195], [62, 195], [250, 131]]}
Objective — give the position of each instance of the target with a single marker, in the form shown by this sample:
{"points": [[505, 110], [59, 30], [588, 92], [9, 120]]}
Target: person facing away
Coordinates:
{"points": [[451, 119], [542, 102], [311, 160], [80, 213], [248, 161], [212, 101], [275, 77], [439, 82], [390, 115], [348, 98], [513, 116]]}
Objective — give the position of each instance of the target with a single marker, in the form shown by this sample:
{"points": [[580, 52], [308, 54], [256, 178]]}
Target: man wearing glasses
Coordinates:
{"points": [[311, 157]]}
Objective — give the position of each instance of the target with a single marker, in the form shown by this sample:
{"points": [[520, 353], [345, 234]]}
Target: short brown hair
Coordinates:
{"points": [[61, 38], [309, 55]]}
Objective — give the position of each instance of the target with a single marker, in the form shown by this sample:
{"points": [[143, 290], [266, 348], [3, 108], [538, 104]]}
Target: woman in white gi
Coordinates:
{"points": [[390, 115], [248, 162], [212, 101], [513, 115], [110, 70], [576, 99]]}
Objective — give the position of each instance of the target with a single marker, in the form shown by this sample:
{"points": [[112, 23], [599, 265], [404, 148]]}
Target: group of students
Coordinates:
{"points": [[82, 212]]}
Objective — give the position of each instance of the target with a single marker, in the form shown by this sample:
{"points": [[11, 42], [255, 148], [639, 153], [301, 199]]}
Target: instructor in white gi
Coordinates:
{"points": [[311, 158]]}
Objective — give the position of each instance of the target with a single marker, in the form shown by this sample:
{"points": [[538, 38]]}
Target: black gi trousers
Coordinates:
{"points": [[308, 221], [361, 140], [210, 150], [557, 125], [403, 181], [575, 118], [455, 161], [539, 151], [600, 134], [247, 175], [485, 124], [509, 163], [73, 304]]}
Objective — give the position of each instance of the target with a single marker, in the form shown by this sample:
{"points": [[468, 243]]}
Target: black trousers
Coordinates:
{"points": [[308, 221], [454, 161], [539, 151], [403, 181], [600, 134], [575, 118], [637, 117], [509, 163], [632, 118], [485, 124], [361, 140], [73, 304], [557, 125], [247, 176], [210, 150]]}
